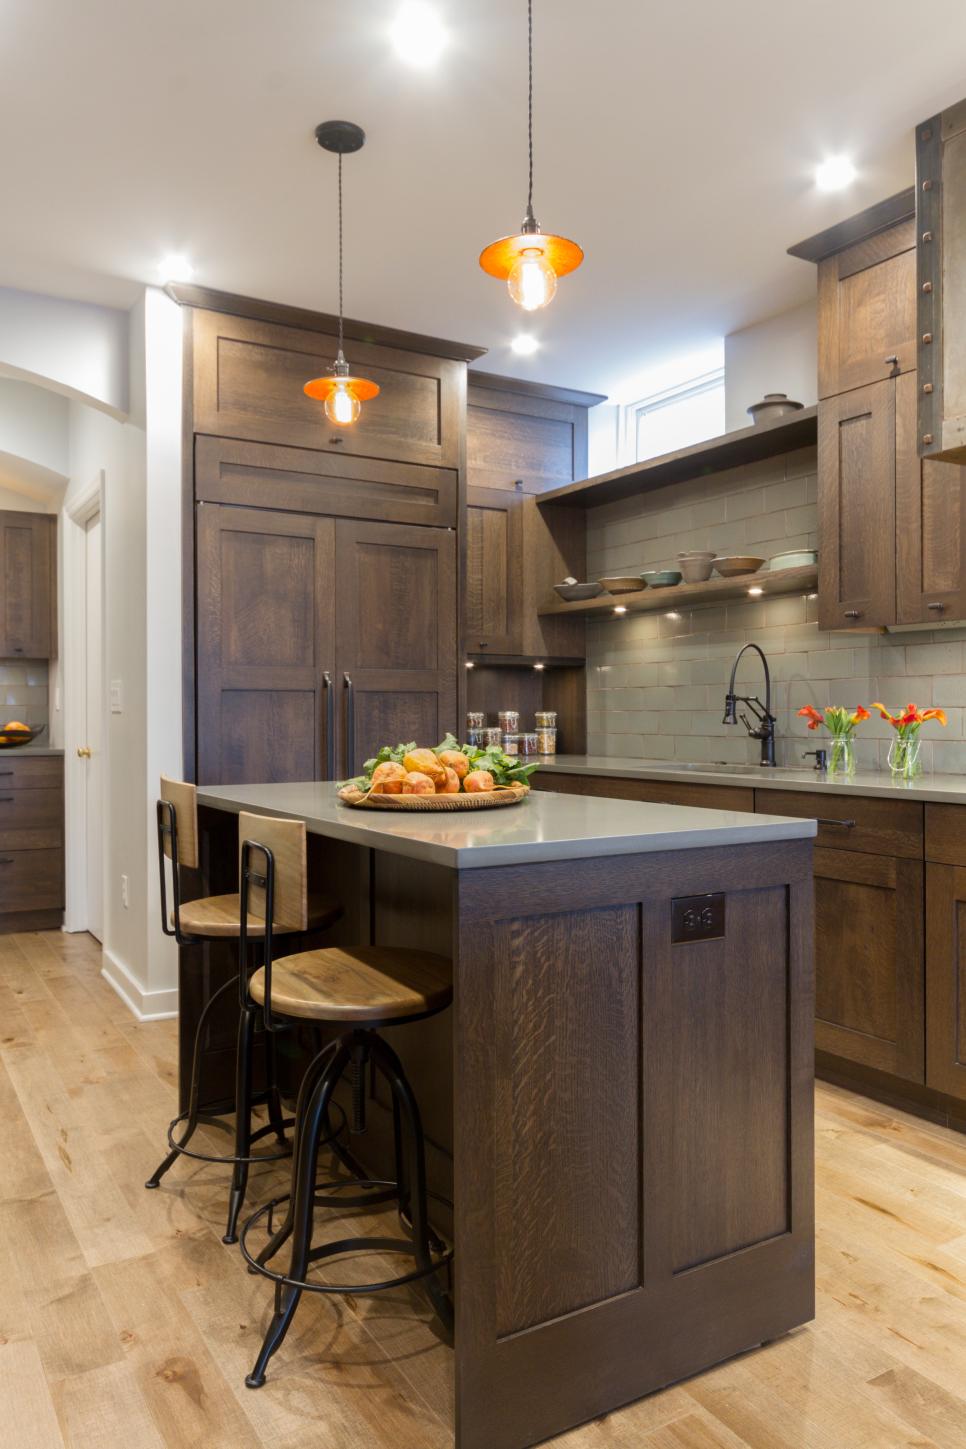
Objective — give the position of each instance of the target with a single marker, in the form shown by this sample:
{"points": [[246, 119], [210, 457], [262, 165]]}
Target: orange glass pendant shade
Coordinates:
{"points": [[340, 392]]}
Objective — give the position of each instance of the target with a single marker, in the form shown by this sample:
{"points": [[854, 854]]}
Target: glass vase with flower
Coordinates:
{"points": [[904, 748], [841, 725]]}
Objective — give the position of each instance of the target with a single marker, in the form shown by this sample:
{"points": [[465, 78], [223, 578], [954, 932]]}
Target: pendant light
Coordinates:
{"points": [[342, 394], [531, 261]]}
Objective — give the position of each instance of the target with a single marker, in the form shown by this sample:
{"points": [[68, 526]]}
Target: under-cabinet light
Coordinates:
{"points": [[620, 608], [754, 592]]}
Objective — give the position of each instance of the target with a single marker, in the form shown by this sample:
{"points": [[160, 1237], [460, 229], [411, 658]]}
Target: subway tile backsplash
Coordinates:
{"points": [[656, 682], [24, 693]]}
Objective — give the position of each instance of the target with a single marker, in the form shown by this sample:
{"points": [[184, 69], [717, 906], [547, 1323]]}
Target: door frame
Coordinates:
{"points": [[78, 512]]}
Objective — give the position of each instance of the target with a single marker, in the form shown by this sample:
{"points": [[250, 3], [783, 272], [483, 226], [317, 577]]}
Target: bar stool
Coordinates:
{"points": [[194, 923], [364, 989]]}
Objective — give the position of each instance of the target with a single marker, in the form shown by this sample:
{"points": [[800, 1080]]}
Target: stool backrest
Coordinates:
{"points": [[184, 798], [286, 840]]}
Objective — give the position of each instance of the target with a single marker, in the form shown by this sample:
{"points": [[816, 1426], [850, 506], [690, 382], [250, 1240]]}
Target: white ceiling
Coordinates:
{"points": [[675, 141]]}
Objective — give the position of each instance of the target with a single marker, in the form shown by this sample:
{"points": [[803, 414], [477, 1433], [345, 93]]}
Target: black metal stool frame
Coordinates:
{"points": [[353, 1049], [245, 1100]]}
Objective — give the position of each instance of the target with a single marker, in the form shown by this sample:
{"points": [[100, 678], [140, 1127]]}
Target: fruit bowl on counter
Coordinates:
{"points": [[449, 776], [13, 733]]}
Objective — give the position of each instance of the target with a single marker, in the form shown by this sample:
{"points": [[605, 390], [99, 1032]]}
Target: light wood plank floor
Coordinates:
{"points": [[124, 1321]]}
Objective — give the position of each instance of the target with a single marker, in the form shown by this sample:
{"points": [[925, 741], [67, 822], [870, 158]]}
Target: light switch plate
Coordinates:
{"points": [[116, 704]]}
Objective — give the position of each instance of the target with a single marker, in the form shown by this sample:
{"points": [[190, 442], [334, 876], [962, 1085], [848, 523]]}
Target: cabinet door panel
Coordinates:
{"points": [[396, 656], [869, 960], [266, 631], [249, 376], [27, 585], [930, 532], [494, 570], [946, 979], [867, 312], [509, 449], [857, 508]]}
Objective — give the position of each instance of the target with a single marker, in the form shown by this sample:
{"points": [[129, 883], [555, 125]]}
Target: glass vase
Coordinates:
{"points": [[841, 755], [904, 757]]}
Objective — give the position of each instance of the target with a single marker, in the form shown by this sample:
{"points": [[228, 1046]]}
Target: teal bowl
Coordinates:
{"points": [[662, 578]]}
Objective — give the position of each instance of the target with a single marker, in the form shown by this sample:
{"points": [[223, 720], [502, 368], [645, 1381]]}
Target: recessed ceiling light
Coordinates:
{"points": [[418, 35], [524, 345], [175, 267], [835, 173]]}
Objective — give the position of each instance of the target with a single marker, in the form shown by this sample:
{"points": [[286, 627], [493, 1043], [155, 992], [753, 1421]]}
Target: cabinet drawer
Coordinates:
{"points": [[31, 880], [22, 772], [652, 792], [946, 834], [848, 822], [31, 818]]}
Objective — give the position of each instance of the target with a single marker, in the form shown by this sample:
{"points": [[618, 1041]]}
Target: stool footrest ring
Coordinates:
{"points": [[255, 1158]]}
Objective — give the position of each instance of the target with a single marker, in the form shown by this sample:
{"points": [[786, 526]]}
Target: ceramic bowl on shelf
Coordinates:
{"points": [[574, 592], [696, 567], [799, 558], [623, 583], [735, 565], [662, 578], [773, 405]]}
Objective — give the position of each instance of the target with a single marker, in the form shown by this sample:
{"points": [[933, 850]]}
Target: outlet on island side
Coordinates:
{"points": [[125, 901]]}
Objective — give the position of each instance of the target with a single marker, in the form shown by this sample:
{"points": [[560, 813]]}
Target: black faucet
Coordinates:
{"points": [[764, 728]]}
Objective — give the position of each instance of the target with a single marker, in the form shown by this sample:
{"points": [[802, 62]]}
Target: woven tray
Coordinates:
{"points": [[503, 795]]}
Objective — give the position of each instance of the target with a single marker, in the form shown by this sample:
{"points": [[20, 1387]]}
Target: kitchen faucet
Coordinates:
{"points": [[764, 729]]}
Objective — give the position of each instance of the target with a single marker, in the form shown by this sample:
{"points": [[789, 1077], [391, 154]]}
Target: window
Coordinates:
{"points": [[687, 413]]}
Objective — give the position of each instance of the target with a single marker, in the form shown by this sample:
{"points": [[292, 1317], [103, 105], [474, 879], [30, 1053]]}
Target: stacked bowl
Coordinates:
{"points": [[696, 565]]}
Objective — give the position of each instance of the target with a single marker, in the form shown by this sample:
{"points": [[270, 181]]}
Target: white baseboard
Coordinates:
{"points": [[145, 1005]]}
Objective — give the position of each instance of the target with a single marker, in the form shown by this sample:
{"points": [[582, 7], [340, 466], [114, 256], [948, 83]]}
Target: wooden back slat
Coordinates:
{"points": [[184, 798], [286, 840]]}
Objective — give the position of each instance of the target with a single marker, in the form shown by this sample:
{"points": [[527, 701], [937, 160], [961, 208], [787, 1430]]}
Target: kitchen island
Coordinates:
{"points": [[619, 1101]]}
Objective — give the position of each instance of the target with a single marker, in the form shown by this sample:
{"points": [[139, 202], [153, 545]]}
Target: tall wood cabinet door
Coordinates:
{"points": [[27, 599], [857, 508], [396, 657], [869, 975], [946, 979], [494, 571], [266, 644], [930, 523], [867, 311]]}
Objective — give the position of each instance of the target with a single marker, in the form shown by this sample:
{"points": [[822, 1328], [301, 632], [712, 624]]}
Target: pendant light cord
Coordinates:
{"points": [[340, 253], [530, 101]]}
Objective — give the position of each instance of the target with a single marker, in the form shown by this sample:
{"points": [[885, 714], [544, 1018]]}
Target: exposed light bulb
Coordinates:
{"points": [[342, 407], [532, 281], [418, 36], [524, 345], [835, 173], [175, 267]]}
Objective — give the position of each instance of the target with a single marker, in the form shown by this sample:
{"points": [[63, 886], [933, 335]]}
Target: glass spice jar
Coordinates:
{"points": [[474, 738], [546, 738], [528, 743], [492, 735], [545, 719], [509, 721], [475, 719], [511, 744]]}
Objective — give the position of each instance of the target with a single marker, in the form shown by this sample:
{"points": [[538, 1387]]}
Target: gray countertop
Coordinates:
{"points": [[15, 750], [544, 827], [943, 789]]}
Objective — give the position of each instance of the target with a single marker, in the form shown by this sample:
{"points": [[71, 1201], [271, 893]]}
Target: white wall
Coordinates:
{"points": [[34, 453], [73, 348], [779, 354]]}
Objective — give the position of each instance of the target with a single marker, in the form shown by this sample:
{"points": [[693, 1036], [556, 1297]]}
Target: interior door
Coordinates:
{"points": [[396, 657], [94, 709], [266, 645]]}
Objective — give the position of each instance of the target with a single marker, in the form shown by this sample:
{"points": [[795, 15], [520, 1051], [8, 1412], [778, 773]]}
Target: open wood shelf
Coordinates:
{"points": [[648, 601], [731, 450]]}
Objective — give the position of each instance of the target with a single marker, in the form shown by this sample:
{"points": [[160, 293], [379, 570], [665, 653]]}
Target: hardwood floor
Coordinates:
{"points": [[124, 1321]]}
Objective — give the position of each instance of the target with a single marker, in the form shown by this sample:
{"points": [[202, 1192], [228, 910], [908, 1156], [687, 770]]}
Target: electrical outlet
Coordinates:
{"points": [[125, 900]]}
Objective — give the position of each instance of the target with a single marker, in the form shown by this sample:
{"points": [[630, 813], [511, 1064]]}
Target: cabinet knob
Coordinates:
{"points": [[853, 614], [83, 752], [937, 607]]}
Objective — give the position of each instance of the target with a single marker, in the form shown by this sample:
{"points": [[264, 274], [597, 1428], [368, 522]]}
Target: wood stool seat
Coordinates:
{"points": [[357, 984], [219, 917]]}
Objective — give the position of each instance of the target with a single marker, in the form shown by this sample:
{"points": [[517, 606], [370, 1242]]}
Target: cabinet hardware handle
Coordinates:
{"points": [[350, 718], [83, 752], [6, 860], [6, 772], [938, 607], [845, 824], [335, 439], [329, 725], [6, 799], [853, 614], [892, 361]]}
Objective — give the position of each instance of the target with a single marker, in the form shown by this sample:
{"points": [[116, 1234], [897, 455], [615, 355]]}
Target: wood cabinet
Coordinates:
{"points": [[946, 978], [319, 639], [941, 275], [249, 375], [31, 842], [869, 977], [657, 792], [495, 569], [867, 311], [28, 587], [930, 524], [523, 435]]}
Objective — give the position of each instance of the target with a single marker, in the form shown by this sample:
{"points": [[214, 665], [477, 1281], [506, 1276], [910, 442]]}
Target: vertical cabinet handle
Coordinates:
{"points": [[350, 723], [329, 725]]}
